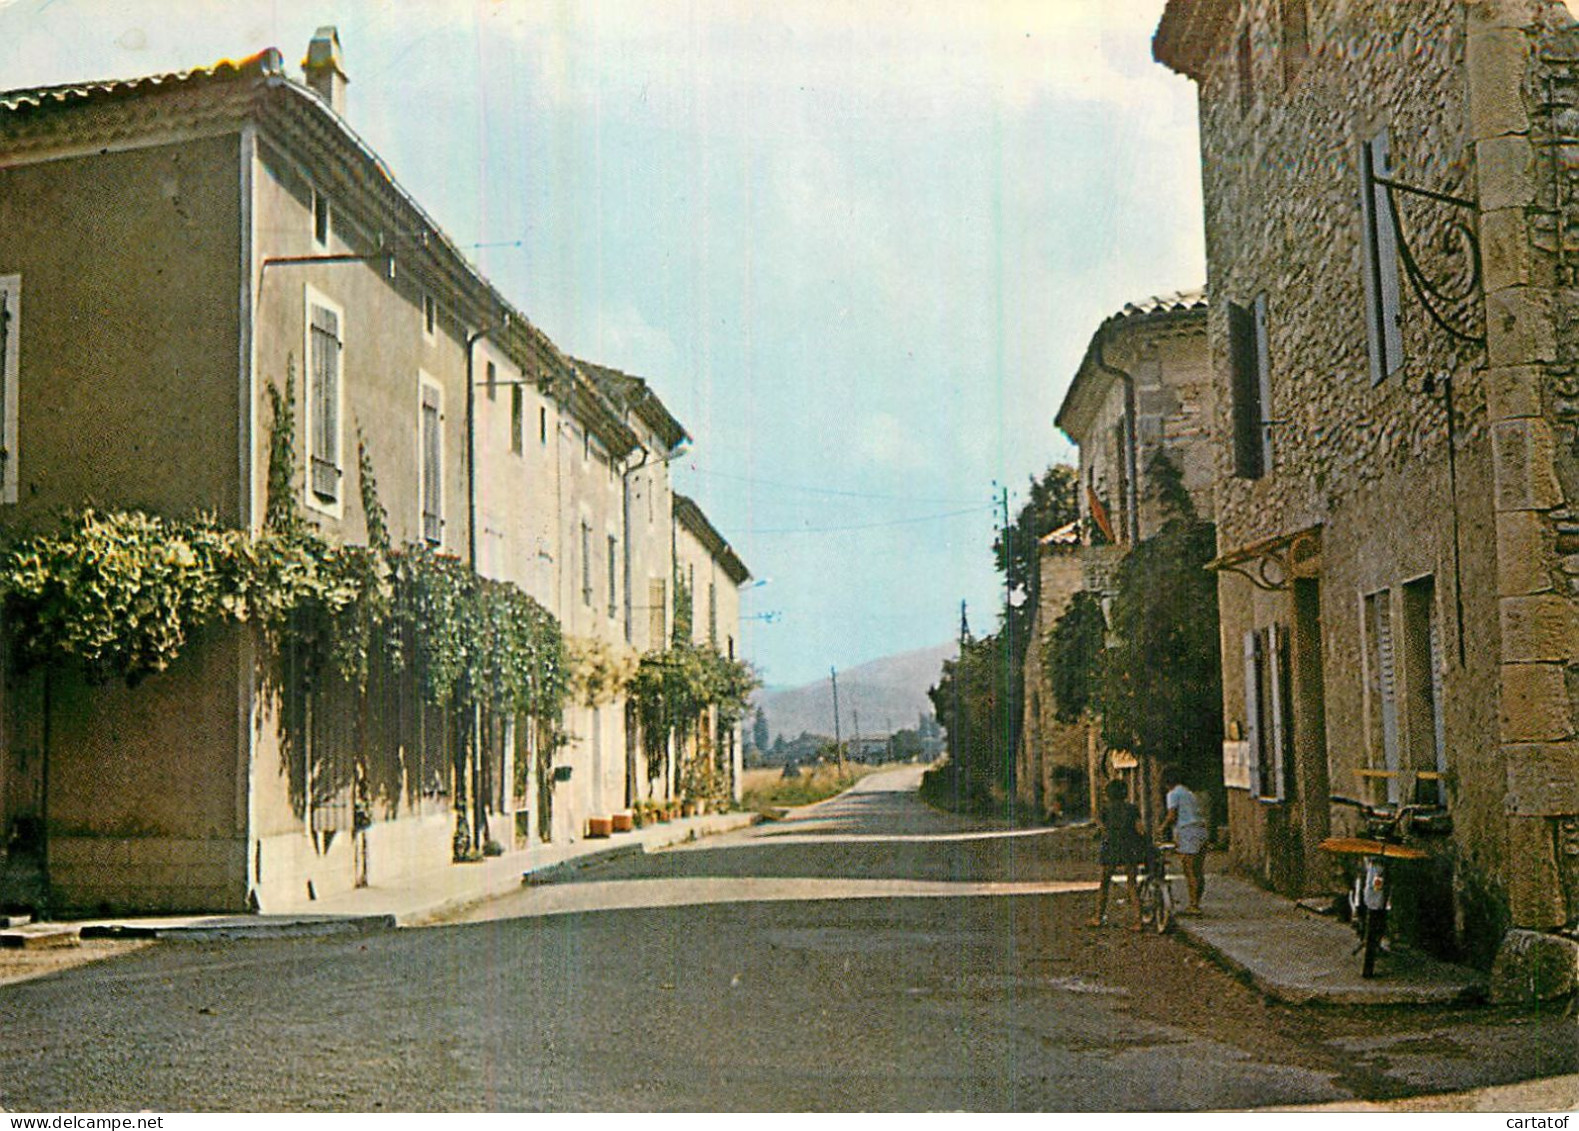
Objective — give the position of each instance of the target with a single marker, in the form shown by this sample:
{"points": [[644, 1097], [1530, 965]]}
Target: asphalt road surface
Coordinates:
{"points": [[878, 956]]}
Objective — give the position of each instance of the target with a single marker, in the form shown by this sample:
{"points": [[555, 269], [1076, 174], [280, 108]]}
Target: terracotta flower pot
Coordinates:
{"points": [[623, 822], [599, 827]]}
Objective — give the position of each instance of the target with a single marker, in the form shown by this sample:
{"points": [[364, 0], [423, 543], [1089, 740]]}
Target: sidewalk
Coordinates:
{"points": [[424, 899], [1297, 956]]}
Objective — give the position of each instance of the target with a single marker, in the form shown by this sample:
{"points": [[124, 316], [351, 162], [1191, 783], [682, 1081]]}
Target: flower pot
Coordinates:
{"points": [[599, 827], [623, 822], [687, 808]]}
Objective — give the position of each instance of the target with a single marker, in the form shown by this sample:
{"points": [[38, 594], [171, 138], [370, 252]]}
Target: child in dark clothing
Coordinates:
{"points": [[1124, 845]]}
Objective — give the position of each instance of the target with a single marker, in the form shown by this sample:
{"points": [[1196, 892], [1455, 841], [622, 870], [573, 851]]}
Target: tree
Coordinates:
{"points": [[1073, 653], [981, 751], [759, 730]]}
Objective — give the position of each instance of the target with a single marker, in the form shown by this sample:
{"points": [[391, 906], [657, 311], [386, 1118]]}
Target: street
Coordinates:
{"points": [[874, 955]]}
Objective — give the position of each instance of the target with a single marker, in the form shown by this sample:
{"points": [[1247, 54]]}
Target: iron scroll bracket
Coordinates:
{"points": [[1434, 297]]}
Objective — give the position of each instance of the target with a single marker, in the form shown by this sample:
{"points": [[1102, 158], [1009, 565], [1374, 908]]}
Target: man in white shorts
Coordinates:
{"points": [[1187, 818]]}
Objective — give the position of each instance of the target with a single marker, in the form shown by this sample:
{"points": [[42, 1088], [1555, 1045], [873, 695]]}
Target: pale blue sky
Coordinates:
{"points": [[858, 247]]}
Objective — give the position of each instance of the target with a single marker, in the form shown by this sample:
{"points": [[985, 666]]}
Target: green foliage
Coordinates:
{"points": [[759, 730], [682, 610], [972, 700], [673, 689], [1072, 654], [1160, 678]]}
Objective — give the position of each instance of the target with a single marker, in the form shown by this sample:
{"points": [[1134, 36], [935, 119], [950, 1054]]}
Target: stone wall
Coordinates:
{"points": [[1481, 102]]}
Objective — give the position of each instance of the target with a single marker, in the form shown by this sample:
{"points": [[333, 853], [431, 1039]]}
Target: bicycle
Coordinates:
{"points": [[1370, 890], [1154, 890]]}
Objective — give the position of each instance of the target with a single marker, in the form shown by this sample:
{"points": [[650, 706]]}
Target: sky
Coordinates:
{"points": [[857, 246]]}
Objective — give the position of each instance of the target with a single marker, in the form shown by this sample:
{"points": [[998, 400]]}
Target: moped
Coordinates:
{"points": [[1370, 890]]}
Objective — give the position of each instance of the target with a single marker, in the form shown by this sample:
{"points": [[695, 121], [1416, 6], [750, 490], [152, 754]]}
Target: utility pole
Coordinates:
{"points": [[856, 711], [956, 747], [838, 745], [1008, 753]]}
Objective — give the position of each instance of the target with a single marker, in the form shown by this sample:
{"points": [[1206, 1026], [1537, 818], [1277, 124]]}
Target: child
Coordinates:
{"points": [[1187, 817], [1124, 846]]}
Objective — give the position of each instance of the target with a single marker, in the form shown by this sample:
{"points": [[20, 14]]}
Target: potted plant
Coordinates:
{"points": [[623, 822], [598, 827]]}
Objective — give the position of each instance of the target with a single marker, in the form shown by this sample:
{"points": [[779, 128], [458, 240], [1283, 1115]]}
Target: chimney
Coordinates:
{"points": [[323, 70]]}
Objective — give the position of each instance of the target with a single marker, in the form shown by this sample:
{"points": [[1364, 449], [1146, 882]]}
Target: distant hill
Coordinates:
{"points": [[889, 694]]}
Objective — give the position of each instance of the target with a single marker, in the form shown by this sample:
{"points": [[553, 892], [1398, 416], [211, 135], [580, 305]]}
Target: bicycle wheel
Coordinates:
{"points": [[1162, 907], [1375, 924]]}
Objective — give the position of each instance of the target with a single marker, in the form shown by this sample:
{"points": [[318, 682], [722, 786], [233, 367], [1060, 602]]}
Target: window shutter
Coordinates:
{"points": [[1383, 312], [1388, 686], [1252, 647], [1277, 699], [324, 456], [432, 468], [1245, 393], [1434, 636], [1263, 400]]}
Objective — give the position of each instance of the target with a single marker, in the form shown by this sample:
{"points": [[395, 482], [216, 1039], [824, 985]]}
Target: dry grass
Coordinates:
{"points": [[768, 789]]}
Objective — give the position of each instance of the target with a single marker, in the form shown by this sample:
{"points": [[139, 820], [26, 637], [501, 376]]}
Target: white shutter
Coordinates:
{"points": [[324, 404], [1252, 646], [1387, 683], [1434, 635], [1277, 730], [432, 467]]}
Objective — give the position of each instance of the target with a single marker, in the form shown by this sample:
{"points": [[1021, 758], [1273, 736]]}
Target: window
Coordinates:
{"points": [[324, 396], [542, 424], [432, 440], [614, 554], [586, 445], [1246, 72], [586, 564], [1423, 666], [1267, 714], [1296, 39], [430, 316], [320, 219], [517, 412], [10, 357], [493, 381], [1383, 317], [1381, 688], [1252, 388], [657, 612], [712, 612]]}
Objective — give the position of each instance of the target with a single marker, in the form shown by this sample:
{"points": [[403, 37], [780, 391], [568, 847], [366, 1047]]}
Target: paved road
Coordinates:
{"points": [[875, 956]]}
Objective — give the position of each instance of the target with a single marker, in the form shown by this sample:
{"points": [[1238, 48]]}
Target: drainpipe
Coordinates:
{"points": [[1131, 440], [479, 805]]}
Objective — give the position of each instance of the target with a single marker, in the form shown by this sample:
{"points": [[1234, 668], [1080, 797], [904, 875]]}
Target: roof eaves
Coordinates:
{"points": [[689, 515]]}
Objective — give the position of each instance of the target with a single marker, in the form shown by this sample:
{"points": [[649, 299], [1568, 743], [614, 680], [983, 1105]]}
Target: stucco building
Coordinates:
{"points": [[1139, 410], [189, 245], [1389, 208]]}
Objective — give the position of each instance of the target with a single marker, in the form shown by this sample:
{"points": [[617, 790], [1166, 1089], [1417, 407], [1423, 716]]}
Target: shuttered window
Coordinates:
{"points": [[657, 613], [10, 357], [1268, 730], [1251, 388], [614, 553], [517, 418], [1381, 686], [323, 405], [432, 440], [1383, 315], [586, 564]]}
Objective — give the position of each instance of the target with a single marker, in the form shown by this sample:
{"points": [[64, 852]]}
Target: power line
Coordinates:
{"points": [[873, 525], [821, 490]]}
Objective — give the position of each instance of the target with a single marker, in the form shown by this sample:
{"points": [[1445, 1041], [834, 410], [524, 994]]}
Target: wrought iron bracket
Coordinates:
{"points": [[1434, 297], [1273, 565]]}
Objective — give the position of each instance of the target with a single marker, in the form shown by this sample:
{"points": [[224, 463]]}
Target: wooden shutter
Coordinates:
{"points": [[432, 467], [1245, 391], [1383, 312], [657, 613], [517, 418], [324, 405], [1252, 654], [1276, 667], [1387, 687], [1263, 399]]}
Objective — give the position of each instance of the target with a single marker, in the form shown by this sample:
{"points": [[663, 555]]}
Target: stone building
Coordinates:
{"points": [[188, 245], [1053, 775], [1139, 410], [1389, 204]]}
